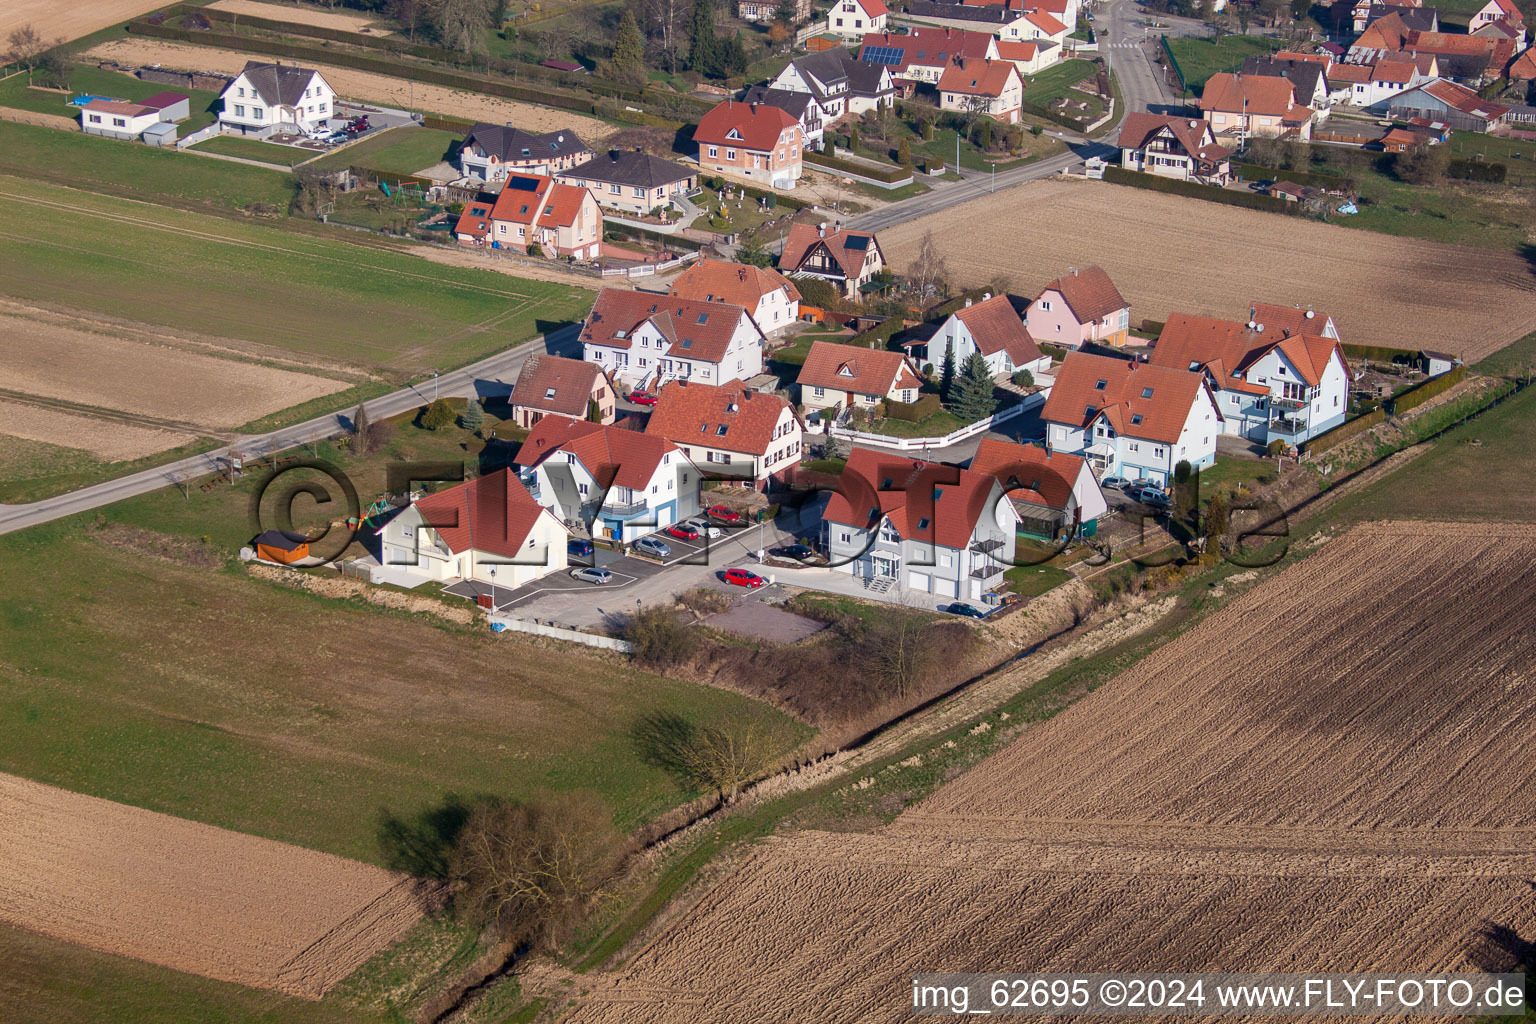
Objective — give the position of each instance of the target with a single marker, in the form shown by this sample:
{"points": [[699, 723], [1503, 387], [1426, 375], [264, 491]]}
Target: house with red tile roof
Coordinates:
{"points": [[468, 531], [1255, 106], [849, 376], [1495, 11], [537, 215], [644, 340], [1471, 60], [754, 140], [1030, 56], [730, 431], [920, 526], [1081, 306], [1131, 419], [922, 54], [1451, 103], [1370, 86], [1293, 319], [1270, 383], [853, 18], [1054, 493], [993, 328], [618, 483], [845, 258], [771, 298], [1523, 69], [1182, 148], [976, 85], [555, 386]]}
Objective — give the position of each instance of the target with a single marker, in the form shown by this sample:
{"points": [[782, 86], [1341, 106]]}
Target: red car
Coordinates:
{"points": [[641, 398], [683, 532], [744, 578], [723, 514]]}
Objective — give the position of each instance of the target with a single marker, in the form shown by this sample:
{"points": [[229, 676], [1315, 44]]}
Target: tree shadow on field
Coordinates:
{"points": [[421, 844], [1499, 949], [661, 739]]}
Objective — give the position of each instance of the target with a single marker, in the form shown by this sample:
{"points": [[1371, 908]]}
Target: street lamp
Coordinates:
{"points": [[493, 588], [434, 385]]}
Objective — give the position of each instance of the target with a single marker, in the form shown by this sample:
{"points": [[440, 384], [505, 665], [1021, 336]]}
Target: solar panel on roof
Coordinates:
{"points": [[889, 55], [856, 242]]}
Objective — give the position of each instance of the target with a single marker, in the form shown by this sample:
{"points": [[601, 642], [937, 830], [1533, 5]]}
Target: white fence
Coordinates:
{"points": [[907, 444], [201, 135], [574, 636], [649, 269]]}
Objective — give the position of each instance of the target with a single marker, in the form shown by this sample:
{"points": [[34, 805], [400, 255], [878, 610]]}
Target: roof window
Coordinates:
{"points": [[922, 524], [1146, 392], [1136, 419], [1101, 385], [549, 392]]}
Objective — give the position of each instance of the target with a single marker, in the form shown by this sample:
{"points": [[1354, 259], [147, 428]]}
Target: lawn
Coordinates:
{"points": [[1200, 58], [312, 296], [203, 694], [136, 171], [1057, 81], [1478, 471], [1518, 359], [1034, 580], [254, 149], [93, 81], [31, 470], [940, 423], [1519, 156], [402, 150], [1231, 474]]}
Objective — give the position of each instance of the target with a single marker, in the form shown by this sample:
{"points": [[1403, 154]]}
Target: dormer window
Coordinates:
{"points": [[1194, 364]]}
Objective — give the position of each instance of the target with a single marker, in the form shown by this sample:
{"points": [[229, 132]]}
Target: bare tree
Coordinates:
{"points": [[533, 870], [182, 478], [461, 24], [928, 271], [26, 46], [661, 20], [410, 14], [723, 754]]}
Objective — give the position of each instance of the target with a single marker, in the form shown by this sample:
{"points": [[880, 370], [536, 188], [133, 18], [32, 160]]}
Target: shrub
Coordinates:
{"points": [[659, 640], [1249, 200], [437, 415], [913, 412], [722, 754], [1275, 447], [704, 601], [1024, 379], [532, 870], [474, 416]]}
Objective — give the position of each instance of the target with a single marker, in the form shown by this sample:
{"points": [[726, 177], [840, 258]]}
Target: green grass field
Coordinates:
{"points": [[1517, 359], [203, 694], [1057, 81], [254, 149], [134, 170], [1201, 58], [1517, 155], [1458, 479], [309, 295], [93, 81], [405, 150]]}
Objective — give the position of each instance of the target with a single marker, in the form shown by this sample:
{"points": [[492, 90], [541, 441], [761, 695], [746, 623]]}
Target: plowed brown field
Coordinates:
{"points": [[1333, 773], [189, 896], [54, 20], [1172, 254]]}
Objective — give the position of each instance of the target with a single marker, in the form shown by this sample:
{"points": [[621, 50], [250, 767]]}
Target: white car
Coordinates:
{"points": [[319, 133], [705, 528]]}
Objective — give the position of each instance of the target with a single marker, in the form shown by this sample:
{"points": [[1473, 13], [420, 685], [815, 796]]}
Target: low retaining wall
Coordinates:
{"points": [[607, 643], [907, 444]]}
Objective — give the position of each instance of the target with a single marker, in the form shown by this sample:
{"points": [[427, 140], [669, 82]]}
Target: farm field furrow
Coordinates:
{"points": [[1172, 254], [193, 897], [1332, 773], [59, 360], [69, 21]]}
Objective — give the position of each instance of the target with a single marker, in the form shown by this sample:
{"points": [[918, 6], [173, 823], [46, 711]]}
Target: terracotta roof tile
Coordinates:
{"points": [[1264, 95], [1142, 400], [997, 328], [864, 371], [756, 126], [494, 514], [1028, 472], [736, 283], [925, 501], [977, 76], [927, 46], [1228, 349], [697, 330], [1090, 294], [615, 457], [692, 413], [571, 381], [848, 249]]}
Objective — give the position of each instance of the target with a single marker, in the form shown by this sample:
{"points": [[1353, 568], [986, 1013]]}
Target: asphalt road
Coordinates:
{"points": [[1130, 45], [491, 376]]}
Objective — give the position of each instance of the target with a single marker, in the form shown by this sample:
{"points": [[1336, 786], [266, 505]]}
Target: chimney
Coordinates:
{"points": [[754, 108], [985, 296], [682, 382], [613, 154], [967, 303], [509, 124], [1074, 271], [746, 394]]}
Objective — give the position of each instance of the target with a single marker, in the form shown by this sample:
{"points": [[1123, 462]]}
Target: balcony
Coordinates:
{"points": [[987, 571], [986, 547], [623, 510], [1288, 427]]}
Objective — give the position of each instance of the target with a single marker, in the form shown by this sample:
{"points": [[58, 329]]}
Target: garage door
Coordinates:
{"points": [[664, 517], [917, 580], [945, 588]]}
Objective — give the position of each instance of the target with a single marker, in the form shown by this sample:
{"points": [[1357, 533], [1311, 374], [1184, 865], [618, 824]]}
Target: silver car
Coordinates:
{"points": [[653, 547], [590, 574]]}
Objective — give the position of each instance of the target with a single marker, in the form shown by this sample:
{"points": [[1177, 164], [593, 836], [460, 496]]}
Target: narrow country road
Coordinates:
{"points": [[490, 376]]}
